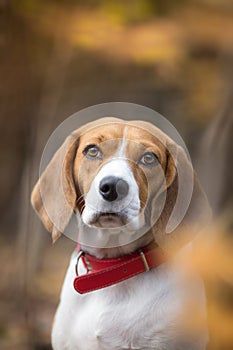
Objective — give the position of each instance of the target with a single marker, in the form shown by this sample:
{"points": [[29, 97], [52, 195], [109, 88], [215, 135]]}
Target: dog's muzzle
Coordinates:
{"points": [[113, 198]]}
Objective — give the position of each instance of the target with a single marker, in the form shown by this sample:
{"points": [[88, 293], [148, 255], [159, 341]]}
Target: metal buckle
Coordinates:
{"points": [[145, 263], [81, 252]]}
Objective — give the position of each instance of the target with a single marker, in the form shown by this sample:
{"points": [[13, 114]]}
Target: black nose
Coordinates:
{"points": [[112, 188]]}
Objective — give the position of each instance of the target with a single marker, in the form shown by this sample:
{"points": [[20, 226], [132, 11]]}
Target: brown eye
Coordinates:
{"points": [[149, 159], [92, 152]]}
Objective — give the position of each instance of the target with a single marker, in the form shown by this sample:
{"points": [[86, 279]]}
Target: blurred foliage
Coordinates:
{"points": [[59, 56], [185, 49], [131, 11]]}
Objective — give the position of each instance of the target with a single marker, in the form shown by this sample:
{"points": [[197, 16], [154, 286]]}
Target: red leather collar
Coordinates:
{"points": [[102, 273]]}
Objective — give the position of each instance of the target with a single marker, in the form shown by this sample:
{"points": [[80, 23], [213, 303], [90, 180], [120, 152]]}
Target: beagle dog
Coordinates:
{"points": [[124, 288]]}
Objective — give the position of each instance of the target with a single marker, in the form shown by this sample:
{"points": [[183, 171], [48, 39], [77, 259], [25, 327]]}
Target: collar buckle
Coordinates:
{"points": [[145, 263]]}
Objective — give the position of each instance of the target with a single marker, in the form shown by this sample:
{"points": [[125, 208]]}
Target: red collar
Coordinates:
{"points": [[102, 273]]}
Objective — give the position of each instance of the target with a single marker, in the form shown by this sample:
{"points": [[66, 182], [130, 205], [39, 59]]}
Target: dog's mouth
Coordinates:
{"points": [[109, 220]]}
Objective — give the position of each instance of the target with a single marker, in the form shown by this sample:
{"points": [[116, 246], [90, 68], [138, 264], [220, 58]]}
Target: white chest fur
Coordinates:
{"points": [[140, 313]]}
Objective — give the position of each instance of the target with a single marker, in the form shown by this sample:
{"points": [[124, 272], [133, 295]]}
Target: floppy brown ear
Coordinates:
{"points": [[54, 195], [186, 210]]}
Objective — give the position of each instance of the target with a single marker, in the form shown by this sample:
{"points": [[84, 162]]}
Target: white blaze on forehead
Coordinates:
{"points": [[122, 150]]}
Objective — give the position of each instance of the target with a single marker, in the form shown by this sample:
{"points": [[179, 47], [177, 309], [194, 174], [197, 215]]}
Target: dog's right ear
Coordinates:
{"points": [[54, 195]]}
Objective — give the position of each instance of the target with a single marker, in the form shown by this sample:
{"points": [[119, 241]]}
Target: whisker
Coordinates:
{"points": [[80, 199], [82, 208]]}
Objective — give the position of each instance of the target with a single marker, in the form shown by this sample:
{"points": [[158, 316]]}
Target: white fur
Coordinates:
{"points": [[140, 313], [121, 152]]}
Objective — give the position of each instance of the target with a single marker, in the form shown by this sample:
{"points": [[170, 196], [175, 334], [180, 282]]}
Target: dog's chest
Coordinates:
{"points": [[135, 314], [140, 313], [126, 323]]}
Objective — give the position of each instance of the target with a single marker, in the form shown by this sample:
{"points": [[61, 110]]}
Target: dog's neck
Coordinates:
{"points": [[113, 252]]}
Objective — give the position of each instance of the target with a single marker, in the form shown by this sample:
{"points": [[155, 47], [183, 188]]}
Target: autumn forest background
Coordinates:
{"points": [[58, 57]]}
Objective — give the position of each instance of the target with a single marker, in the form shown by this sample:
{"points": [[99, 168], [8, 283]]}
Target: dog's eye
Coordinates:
{"points": [[149, 159], [92, 152]]}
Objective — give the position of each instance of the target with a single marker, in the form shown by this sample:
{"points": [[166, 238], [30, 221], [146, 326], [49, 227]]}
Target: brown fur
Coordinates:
{"points": [[59, 190]]}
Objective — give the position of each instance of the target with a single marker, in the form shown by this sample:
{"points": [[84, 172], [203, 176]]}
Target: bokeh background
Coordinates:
{"points": [[60, 56]]}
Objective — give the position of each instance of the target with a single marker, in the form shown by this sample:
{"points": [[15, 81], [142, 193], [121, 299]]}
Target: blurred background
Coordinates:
{"points": [[60, 56]]}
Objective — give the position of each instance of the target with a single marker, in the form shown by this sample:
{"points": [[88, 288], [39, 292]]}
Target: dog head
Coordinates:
{"points": [[120, 178]]}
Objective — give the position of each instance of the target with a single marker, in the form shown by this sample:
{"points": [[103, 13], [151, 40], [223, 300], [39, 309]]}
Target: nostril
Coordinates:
{"points": [[105, 188], [122, 188]]}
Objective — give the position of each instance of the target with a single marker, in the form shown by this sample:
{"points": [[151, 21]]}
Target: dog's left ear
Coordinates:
{"points": [[54, 195], [186, 210]]}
